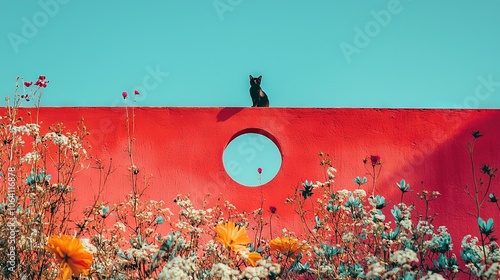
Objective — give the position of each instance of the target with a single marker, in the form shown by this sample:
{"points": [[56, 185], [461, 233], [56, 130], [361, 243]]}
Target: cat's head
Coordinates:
{"points": [[255, 81]]}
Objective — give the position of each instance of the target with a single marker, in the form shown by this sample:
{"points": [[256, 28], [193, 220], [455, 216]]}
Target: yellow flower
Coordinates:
{"points": [[70, 254], [251, 257], [232, 236], [288, 246]]}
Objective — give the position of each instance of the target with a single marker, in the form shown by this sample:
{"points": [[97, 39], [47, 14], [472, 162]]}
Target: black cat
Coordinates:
{"points": [[259, 97]]}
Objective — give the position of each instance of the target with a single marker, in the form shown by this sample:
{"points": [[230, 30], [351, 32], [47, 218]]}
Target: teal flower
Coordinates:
{"points": [[396, 212], [331, 251], [441, 243], [353, 202], [408, 276], [485, 227], [38, 179], [470, 256], [403, 186], [352, 272], [300, 268], [378, 202], [493, 198], [104, 211], [318, 223], [391, 235], [159, 220], [307, 191], [360, 181], [444, 263]]}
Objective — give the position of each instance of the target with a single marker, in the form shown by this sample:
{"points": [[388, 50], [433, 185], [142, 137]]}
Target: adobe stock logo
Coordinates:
{"points": [[363, 37], [30, 26], [223, 6], [454, 120]]}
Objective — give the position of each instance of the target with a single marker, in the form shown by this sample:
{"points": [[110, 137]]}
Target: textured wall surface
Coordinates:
{"points": [[181, 148]]}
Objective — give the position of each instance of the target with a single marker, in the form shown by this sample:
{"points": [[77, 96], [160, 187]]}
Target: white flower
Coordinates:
{"points": [[57, 139], [361, 194], [30, 157], [120, 226], [404, 257], [179, 268], [341, 194], [88, 246], [375, 270], [223, 272], [432, 276]]}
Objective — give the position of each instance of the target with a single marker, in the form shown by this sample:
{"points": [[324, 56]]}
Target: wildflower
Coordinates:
{"points": [[359, 193], [493, 198], [159, 220], [136, 92], [476, 134], [28, 84], [307, 191], [488, 170], [485, 227], [41, 81], [330, 172], [405, 256], [251, 257], [272, 209], [378, 202], [259, 170], [353, 202], [71, 254], [232, 236], [360, 181], [397, 214], [104, 211], [125, 95], [392, 234], [288, 246], [403, 186], [375, 160]]}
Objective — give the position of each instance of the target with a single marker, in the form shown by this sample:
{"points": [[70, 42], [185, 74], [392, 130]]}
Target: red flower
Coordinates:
{"points": [[375, 160], [259, 170], [136, 92], [125, 95], [28, 84], [41, 81], [272, 209]]}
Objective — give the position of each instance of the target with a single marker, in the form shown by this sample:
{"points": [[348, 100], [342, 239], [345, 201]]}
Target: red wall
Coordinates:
{"points": [[182, 148]]}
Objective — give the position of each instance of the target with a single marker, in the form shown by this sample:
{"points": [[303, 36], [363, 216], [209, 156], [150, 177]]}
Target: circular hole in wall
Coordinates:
{"points": [[249, 152]]}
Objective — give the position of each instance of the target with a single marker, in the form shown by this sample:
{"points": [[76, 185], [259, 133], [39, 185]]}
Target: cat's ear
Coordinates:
{"points": [[260, 78], [251, 77]]}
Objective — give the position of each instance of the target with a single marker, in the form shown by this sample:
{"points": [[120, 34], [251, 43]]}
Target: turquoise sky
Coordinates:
{"points": [[321, 53]]}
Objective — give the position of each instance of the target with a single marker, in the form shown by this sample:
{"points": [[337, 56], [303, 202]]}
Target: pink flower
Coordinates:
{"points": [[259, 170], [136, 92], [272, 209], [28, 84], [375, 160], [125, 95], [41, 81]]}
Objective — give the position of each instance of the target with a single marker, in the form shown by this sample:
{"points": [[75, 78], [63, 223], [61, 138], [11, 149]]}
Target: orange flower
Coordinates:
{"points": [[288, 246], [251, 257], [232, 236], [69, 251]]}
